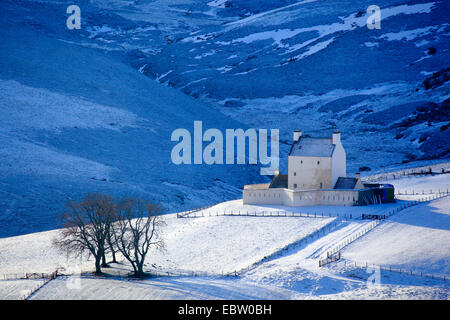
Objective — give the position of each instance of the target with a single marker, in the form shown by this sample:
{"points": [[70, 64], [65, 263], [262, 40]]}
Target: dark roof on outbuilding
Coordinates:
{"points": [[345, 183], [279, 181]]}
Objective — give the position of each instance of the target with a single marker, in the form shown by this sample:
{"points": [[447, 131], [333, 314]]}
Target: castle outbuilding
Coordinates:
{"points": [[317, 176]]}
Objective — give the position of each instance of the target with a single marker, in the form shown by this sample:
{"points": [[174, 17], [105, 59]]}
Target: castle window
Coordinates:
{"points": [[295, 185], [318, 162], [295, 173], [301, 161]]}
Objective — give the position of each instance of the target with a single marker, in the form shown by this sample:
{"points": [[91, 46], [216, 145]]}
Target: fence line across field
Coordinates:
{"points": [[421, 171], [337, 249], [330, 259], [202, 212], [421, 192], [28, 276], [353, 264]]}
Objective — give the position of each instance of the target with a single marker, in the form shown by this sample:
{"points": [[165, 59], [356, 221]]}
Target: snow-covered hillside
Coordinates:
{"points": [[92, 109], [315, 65], [76, 120]]}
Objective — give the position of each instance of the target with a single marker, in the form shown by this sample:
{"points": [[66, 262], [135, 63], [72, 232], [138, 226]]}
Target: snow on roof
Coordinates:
{"points": [[260, 186], [312, 147]]}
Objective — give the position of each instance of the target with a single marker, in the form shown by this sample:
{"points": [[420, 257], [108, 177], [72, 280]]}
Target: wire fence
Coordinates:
{"points": [[207, 212], [280, 213], [442, 168], [46, 277], [153, 273], [430, 192], [330, 259], [351, 265], [28, 276], [188, 212], [337, 249], [302, 241]]}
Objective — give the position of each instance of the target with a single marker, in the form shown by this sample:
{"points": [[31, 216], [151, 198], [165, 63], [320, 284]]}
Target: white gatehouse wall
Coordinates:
{"points": [[293, 198]]}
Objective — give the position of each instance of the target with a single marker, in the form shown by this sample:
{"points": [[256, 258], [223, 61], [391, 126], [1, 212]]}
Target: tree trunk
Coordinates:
{"points": [[114, 256], [140, 269], [98, 269], [104, 264]]}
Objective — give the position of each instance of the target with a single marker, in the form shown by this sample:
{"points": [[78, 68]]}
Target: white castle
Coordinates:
{"points": [[317, 176]]}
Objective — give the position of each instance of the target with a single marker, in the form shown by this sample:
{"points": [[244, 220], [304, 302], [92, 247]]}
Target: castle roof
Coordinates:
{"points": [[307, 146], [279, 181], [345, 183]]}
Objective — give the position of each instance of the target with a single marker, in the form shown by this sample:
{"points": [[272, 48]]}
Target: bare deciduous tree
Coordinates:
{"points": [[86, 226], [137, 229]]}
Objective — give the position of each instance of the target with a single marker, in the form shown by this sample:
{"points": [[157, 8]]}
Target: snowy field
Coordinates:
{"points": [[212, 244], [415, 238], [226, 244], [421, 184], [17, 289], [418, 238], [236, 207], [161, 289], [298, 285]]}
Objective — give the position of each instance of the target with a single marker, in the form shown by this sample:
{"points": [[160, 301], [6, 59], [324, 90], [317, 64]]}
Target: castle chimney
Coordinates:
{"points": [[297, 135], [336, 137]]}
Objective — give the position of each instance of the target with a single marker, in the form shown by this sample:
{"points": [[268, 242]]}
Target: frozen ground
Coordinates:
{"points": [[212, 244], [421, 184], [415, 238], [226, 244], [77, 104], [18, 289], [236, 207], [160, 289], [307, 286], [418, 238]]}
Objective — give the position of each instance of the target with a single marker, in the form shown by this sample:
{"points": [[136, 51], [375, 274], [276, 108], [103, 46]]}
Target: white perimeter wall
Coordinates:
{"points": [[293, 198]]}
